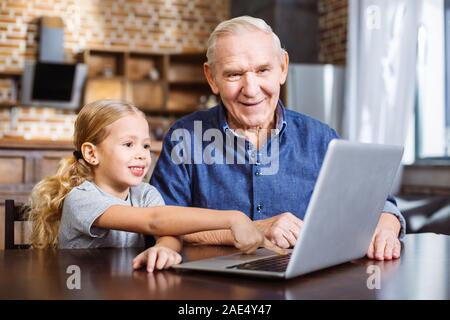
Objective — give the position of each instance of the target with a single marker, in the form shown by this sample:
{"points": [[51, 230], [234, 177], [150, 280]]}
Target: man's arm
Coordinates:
{"points": [[282, 230], [390, 231], [390, 207], [216, 237]]}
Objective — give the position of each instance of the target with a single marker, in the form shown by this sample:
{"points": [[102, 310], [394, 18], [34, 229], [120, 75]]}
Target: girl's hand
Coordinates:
{"points": [[248, 238], [157, 257]]}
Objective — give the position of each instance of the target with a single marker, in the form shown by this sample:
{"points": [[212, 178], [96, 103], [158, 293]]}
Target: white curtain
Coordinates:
{"points": [[381, 71]]}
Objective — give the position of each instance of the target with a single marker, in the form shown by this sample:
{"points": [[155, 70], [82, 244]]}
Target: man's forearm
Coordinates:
{"points": [[220, 237], [216, 237]]}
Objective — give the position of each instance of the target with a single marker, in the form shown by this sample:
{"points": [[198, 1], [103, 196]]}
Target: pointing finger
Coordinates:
{"points": [[272, 247]]}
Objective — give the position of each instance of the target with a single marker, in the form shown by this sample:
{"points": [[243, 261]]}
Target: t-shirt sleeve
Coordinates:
{"points": [[83, 206], [152, 197]]}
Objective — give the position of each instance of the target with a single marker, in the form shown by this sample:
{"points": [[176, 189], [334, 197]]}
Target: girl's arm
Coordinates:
{"points": [[174, 221], [173, 243], [167, 220]]}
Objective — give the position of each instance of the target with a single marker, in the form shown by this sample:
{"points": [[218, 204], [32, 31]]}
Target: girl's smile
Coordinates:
{"points": [[137, 171]]}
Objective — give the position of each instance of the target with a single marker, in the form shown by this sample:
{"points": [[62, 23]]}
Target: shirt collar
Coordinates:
{"points": [[280, 112]]}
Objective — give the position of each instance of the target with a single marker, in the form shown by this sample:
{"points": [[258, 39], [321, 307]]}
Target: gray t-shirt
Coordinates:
{"points": [[86, 202]]}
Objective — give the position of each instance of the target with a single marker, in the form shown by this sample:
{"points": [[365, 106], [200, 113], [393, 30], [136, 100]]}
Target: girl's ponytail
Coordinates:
{"points": [[47, 198]]}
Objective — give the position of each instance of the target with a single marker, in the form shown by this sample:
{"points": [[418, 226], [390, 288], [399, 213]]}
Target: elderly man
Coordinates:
{"points": [[246, 67]]}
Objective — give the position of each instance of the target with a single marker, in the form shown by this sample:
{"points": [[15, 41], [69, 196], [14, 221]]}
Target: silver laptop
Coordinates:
{"points": [[348, 198]]}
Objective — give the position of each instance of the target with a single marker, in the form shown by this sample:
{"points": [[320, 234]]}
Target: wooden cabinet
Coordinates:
{"points": [[16, 167], [159, 84], [187, 83], [22, 164]]}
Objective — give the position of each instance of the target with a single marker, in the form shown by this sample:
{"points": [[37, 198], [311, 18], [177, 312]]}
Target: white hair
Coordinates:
{"points": [[237, 26]]}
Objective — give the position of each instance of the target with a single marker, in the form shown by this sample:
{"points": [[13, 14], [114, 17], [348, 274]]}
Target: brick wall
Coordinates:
{"points": [[333, 31], [41, 123], [147, 25], [161, 26]]}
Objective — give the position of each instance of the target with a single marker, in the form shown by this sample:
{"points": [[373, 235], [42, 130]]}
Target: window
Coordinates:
{"points": [[432, 110]]}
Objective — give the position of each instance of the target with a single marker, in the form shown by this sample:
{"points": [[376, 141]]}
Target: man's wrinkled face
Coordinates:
{"points": [[247, 74]]}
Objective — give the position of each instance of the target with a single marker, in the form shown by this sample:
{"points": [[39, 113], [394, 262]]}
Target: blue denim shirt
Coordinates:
{"points": [[185, 179]]}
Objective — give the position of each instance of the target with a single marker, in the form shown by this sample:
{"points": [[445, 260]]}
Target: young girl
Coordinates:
{"points": [[97, 197]]}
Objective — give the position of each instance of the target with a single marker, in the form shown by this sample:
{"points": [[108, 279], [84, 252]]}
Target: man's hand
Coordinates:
{"points": [[283, 229], [385, 244], [248, 237]]}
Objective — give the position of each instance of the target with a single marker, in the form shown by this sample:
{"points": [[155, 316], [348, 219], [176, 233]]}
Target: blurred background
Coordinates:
{"points": [[376, 71]]}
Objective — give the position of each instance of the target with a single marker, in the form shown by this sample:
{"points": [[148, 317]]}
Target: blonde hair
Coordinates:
{"points": [[236, 26], [47, 197]]}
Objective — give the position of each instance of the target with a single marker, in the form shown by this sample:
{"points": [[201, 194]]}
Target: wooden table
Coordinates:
{"points": [[421, 273]]}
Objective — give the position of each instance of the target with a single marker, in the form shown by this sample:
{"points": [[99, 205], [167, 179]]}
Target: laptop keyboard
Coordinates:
{"points": [[276, 264]]}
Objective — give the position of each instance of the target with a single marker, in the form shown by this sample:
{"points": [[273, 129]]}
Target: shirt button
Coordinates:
{"points": [[259, 207]]}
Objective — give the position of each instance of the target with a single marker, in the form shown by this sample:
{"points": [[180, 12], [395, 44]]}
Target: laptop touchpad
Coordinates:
{"points": [[258, 254]]}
